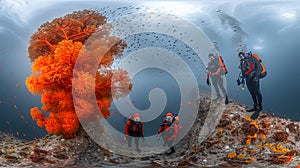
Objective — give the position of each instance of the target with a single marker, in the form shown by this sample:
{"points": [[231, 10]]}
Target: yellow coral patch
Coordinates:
{"points": [[231, 155], [279, 146], [250, 160], [248, 141], [252, 136], [262, 137], [220, 131], [285, 150], [254, 123], [248, 118], [241, 156]]}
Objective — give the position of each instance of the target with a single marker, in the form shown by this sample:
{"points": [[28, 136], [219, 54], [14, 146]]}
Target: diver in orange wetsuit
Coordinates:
{"points": [[169, 131]]}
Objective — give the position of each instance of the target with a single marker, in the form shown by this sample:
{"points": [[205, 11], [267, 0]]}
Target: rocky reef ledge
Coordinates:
{"points": [[237, 141]]}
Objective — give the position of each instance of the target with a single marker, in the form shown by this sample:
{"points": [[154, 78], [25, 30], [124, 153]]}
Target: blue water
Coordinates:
{"points": [[144, 82]]}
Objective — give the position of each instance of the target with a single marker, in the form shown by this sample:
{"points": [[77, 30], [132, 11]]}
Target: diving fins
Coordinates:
{"points": [[255, 115], [138, 150], [226, 100], [252, 109]]}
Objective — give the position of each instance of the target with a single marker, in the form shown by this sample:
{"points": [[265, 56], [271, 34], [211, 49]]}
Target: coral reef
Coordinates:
{"points": [[273, 142], [54, 50]]}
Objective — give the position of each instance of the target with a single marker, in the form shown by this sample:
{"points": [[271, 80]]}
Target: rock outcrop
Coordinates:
{"points": [[237, 141]]}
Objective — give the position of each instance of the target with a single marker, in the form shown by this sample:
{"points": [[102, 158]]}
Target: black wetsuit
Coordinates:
{"points": [[134, 130], [251, 72], [215, 72]]}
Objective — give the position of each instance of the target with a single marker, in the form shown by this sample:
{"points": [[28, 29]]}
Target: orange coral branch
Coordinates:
{"points": [[74, 35], [65, 34], [52, 72], [49, 44], [62, 36]]}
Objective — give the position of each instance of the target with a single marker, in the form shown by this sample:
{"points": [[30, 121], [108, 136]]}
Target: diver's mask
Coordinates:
{"points": [[169, 120], [211, 57], [137, 119]]}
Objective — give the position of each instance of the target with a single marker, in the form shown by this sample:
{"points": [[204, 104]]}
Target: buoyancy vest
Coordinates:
{"points": [[135, 128], [222, 64], [263, 72]]}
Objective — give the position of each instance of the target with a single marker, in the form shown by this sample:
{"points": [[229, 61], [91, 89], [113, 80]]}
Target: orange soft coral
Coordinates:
{"points": [[69, 122], [53, 126], [54, 48], [37, 116]]}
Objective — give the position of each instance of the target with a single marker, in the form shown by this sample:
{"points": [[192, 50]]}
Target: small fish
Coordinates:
{"points": [[17, 133], [22, 117], [17, 85], [15, 106], [189, 102]]}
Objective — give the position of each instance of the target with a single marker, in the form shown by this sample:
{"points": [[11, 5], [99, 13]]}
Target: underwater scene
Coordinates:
{"points": [[149, 83]]}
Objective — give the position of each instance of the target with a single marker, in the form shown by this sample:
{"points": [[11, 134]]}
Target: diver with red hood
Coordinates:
{"points": [[169, 131], [134, 129]]}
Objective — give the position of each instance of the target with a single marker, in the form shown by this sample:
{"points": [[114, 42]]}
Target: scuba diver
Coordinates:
{"points": [[216, 69], [169, 131], [252, 70], [134, 129]]}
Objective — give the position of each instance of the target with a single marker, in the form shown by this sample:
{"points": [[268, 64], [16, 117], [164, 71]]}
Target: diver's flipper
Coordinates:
{"points": [[171, 151], [251, 110], [226, 100], [255, 115], [259, 108]]}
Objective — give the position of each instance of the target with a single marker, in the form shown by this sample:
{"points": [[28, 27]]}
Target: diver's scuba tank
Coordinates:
{"points": [[129, 117]]}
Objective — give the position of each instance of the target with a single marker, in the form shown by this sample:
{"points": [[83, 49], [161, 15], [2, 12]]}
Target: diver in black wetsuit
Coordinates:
{"points": [[251, 70]]}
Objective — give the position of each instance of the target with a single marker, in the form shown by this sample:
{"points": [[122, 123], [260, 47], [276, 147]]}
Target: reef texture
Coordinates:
{"points": [[237, 141]]}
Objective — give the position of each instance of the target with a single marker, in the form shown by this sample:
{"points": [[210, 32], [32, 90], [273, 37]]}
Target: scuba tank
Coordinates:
{"points": [[222, 64], [126, 119], [263, 72]]}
